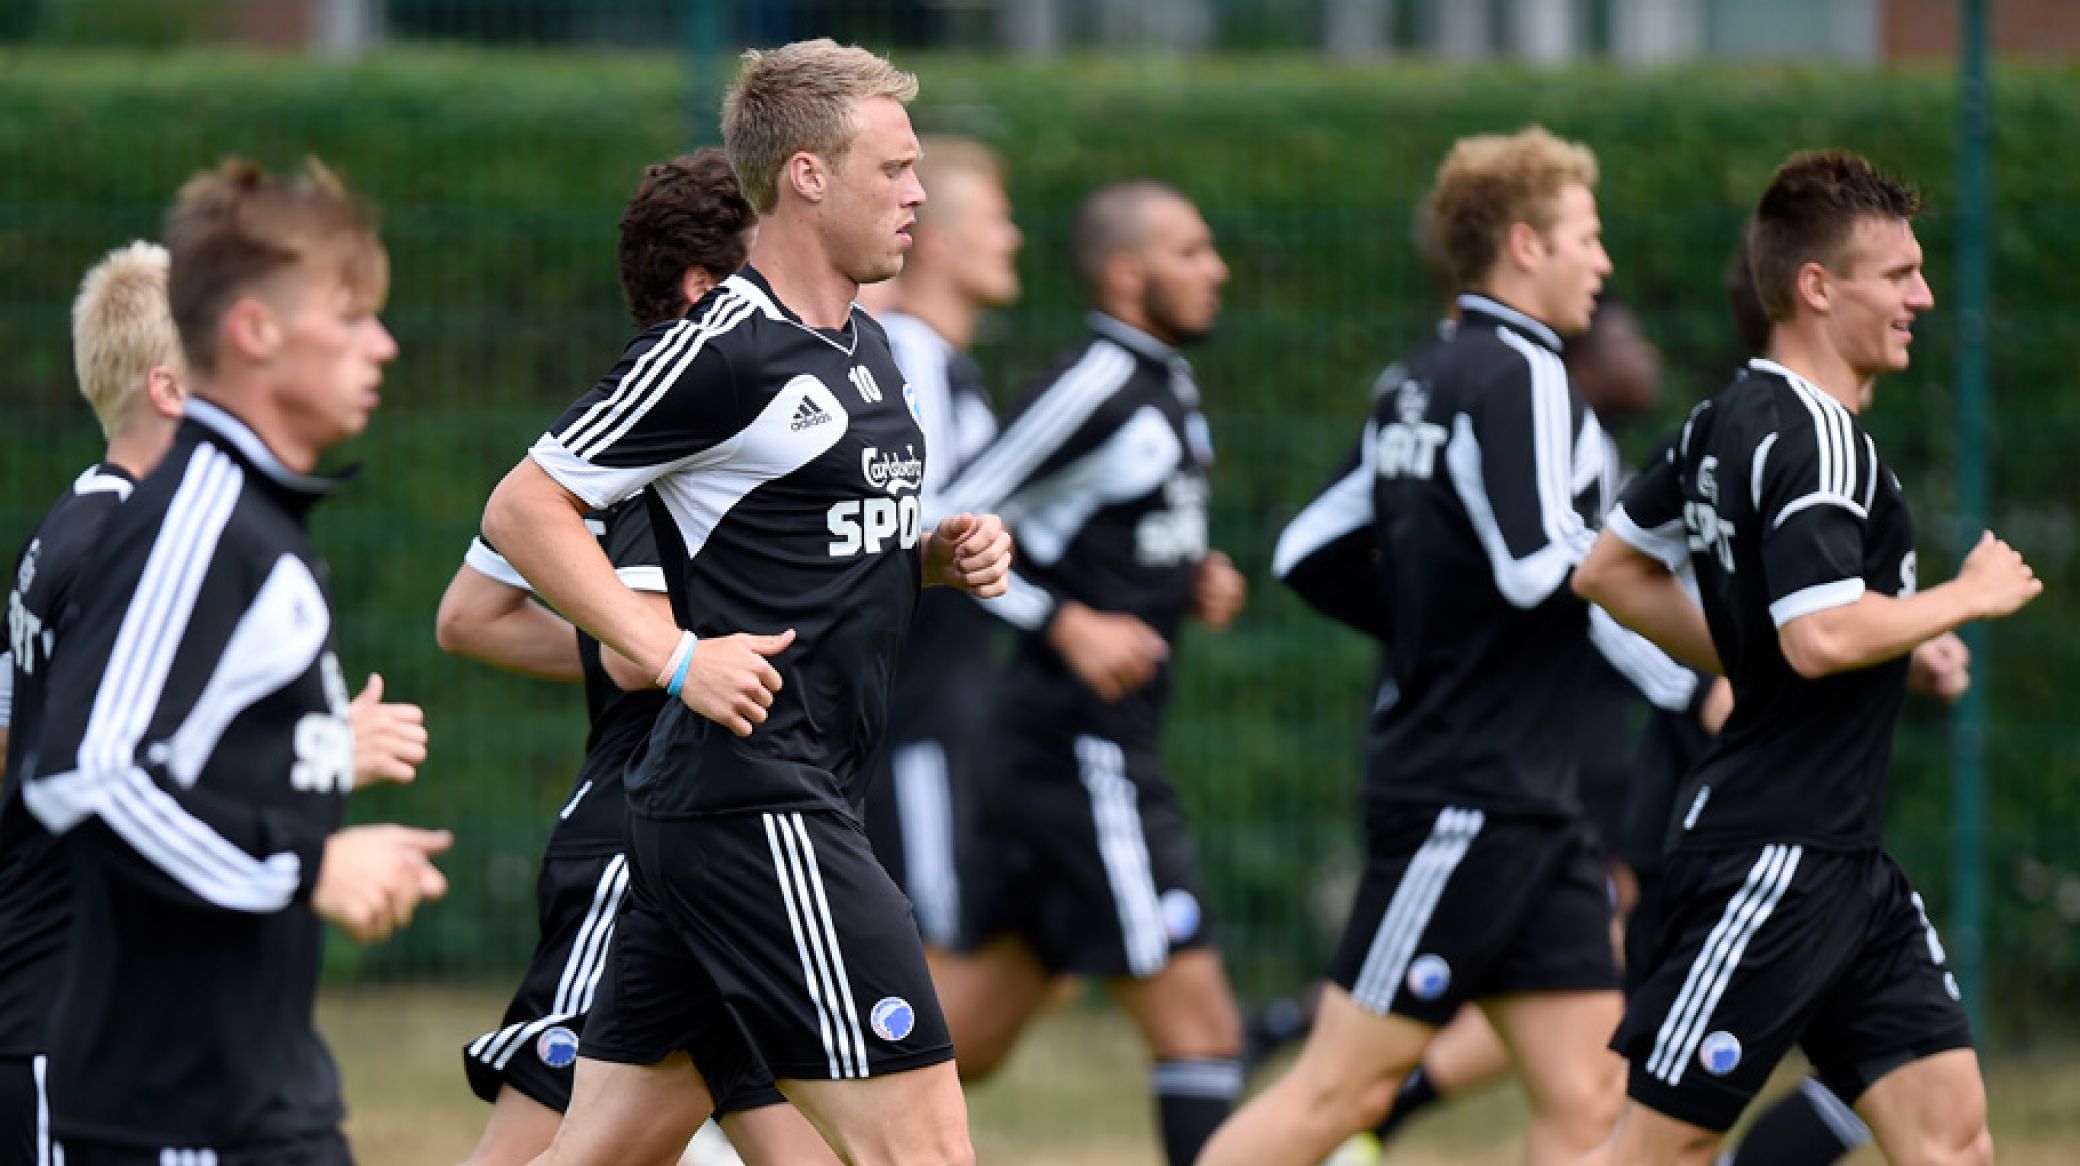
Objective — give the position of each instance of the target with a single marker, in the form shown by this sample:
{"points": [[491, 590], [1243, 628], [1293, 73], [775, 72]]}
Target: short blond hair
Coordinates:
{"points": [[1490, 182], [799, 99], [945, 158], [121, 330], [237, 227]]}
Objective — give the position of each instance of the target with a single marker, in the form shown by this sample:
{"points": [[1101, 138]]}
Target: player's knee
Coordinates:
{"points": [[1963, 1141], [1586, 1102], [1348, 1100]]}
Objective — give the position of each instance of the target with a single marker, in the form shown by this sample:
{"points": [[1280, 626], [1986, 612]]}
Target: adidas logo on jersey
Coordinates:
{"points": [[807, 415]]}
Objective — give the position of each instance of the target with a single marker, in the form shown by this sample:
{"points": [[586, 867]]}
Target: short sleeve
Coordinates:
{"points": [[1649, 514], [485, 560], [632, 548], [1811, 484], [672, 396]]}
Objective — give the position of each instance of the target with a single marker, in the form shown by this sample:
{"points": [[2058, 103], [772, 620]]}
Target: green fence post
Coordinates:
{"points": [[701, 34], [1968, 733]]}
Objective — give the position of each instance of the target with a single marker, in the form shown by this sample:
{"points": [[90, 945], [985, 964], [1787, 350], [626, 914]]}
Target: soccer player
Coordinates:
{"points": [[686, 229], [1782, 919], [194, 751], [1478, 476], [758, 932], [1087, 860], [920, 809]]}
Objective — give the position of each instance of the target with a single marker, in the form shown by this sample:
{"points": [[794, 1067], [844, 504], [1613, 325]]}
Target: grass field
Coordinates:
{"points": [[1073, 1095]]}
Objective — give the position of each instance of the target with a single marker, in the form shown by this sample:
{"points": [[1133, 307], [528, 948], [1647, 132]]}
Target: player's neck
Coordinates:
{"points": [[250, 403], [942, 309], [1806, 352], [139, 447], [794, 263]]}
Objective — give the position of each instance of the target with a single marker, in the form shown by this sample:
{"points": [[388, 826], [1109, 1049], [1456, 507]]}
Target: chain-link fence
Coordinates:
{"points": [[500, 140]]}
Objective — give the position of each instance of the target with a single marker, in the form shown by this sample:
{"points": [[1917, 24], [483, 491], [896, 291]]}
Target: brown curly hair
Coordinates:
{"points": [[1491, 181], [688, 212]]}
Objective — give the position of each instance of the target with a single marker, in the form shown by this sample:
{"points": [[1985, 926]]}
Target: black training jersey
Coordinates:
{"points": [[33, 884], [1775, 495], [1101, 474], [784, 466], [195, 755], [593, 821], [946, 661], [1478, 480]]}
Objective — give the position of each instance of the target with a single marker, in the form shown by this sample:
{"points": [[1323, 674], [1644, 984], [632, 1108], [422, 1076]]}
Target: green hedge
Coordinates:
{"points": [[501, 175]]}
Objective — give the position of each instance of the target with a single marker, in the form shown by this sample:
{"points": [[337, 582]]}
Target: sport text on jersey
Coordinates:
{"points": [[1177, 533], [870, 525], [1407, 447], [1709, 533], [24, 627], [325, 741]]}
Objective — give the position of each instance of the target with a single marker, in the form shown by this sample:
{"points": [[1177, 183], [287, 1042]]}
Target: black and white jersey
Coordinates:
{"points": [[33, 884], [1100, 472], [785, 467], [949, 644], [194, 756], [1775, 495], [593, 821], [1479, 478]]}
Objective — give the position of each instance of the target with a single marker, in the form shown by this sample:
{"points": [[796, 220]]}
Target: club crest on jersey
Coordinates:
{"points": [[26, 577], [1428, 977], [910, 399], [1720, 1053], [892, 1018], [890, 471], [1407, 447], [558, 1048]]}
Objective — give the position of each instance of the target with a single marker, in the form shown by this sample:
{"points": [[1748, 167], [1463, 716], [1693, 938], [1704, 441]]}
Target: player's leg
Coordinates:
{"points": [[630, 1115], [1893, 1040], [1644, 1137], [989, 994], [1187, 1015], [765, 1130], [1342, 1082], [519, 1129], [915, 1117], [1931, 1112], [1467, 1055], [1559, 1041]]}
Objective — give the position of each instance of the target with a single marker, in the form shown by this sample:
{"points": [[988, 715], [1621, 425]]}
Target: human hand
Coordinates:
{"points": [[389, 737], [1112, 653], [1218, 591], [372, 878], [1996, 577], [971, 552], [1941, 668], [730, 680]]}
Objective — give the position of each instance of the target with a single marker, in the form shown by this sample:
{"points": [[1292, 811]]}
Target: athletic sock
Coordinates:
{"points": [[1811, 1127], [1193, 1097], [1418, 1091]]}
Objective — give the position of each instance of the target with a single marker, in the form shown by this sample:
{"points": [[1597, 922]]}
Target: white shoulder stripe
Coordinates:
{"points": [[1026, 443], [725, 316], [1755, 470], [633, 381], [1343, 508]]}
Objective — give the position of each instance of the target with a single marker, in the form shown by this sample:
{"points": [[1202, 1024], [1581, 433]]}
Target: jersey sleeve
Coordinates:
{"points": [[484, 559], [1328, 554], [632, 548], [1649, 514], [129, 768], [1811, 483], [6, 689], [672, 397], [1513, 456]]}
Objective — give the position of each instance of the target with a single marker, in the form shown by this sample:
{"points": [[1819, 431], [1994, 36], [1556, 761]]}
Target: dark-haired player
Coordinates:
{"points": [[1782, 919], [686, 229]]}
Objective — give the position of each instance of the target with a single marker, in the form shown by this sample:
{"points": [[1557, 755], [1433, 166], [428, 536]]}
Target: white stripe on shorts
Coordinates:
{"points": [[1684, 1027], [1123, 849], [816, 941], [39, 1066], [1408, 913], [581, 971]]}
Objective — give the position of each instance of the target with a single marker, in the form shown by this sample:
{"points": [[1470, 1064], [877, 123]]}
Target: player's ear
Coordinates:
{"points": [[163, 388], [1523, 246], [1811, 286], [694, 283], [807, 175], [250, 329]]}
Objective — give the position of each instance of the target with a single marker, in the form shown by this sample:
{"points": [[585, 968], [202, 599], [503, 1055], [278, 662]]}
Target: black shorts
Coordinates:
{"points": [[1460, 904], [765, 944], [322, 1148], [919, 819], [24, 1113], [1091, 863], [535, 1048], [1761, 948]]}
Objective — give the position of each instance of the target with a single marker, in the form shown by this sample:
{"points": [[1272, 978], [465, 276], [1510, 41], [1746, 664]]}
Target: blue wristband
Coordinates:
{"points": [[685, 662]]}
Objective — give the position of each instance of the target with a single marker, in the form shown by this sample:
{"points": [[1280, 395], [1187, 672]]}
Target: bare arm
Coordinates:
{"points": [[540, 528], [503, 626], [1639, 591], [1993, 582], [627, 675]]}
